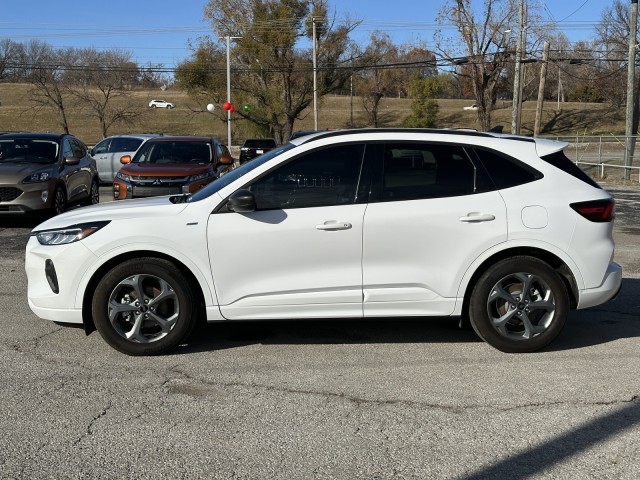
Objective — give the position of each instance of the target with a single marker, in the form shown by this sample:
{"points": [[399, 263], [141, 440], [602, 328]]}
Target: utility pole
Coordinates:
{"points": [[351, 101], [515, 107], [315, 75], [228, 38], [543, 82], [631, 75]]}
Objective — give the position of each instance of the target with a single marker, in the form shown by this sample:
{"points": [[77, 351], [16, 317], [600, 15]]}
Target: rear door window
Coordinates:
{"points": [[412, 171]]}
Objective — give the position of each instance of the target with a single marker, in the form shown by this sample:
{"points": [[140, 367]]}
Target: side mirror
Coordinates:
{"points": [[71, 161], [226, 160], [241, 201], [125, 159]]}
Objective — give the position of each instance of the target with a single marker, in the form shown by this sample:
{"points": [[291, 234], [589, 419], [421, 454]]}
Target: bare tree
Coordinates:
{"points": [[102, 87], [483, 33], [9, 57], [377, 78], [613, 36], [49, 81]]}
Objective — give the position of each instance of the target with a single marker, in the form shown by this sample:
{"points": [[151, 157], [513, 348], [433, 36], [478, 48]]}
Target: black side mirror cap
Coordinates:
{"points": [[241, 201]]}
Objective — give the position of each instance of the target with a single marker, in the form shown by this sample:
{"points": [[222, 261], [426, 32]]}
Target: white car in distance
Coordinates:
{"points": [[504, 231], [161, 104]]}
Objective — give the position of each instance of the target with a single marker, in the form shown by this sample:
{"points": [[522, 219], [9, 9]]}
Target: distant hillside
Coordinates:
{"points": [[16, 113]]}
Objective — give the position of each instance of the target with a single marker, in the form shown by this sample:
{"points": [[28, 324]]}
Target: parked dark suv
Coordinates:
{"points": [[171, 165], [253, 147], [44, 172]]}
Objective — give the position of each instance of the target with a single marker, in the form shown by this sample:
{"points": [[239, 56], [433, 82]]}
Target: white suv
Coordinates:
{"points": [[108, 152], [503, 231], [161, 104]]}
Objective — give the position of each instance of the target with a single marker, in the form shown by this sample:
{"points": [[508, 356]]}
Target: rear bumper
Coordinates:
{"points": [[607, 290]]}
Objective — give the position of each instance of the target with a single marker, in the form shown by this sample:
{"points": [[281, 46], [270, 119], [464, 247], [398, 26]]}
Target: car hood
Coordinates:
{"points": [[12, 173], [121, 209], [165, 169]]}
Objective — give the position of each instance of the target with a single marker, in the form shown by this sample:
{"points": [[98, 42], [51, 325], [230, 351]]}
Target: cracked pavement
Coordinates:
{"points": [[393, 399]]}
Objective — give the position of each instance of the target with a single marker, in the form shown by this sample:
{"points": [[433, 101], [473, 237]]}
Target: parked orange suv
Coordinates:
{"points": [[171, 166]]}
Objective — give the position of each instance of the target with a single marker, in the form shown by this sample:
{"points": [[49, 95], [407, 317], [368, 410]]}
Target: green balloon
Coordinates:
{"points": [[247, 107]]}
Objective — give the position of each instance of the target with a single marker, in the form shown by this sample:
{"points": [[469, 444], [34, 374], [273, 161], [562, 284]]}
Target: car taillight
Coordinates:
{"points": [[596, 210]]}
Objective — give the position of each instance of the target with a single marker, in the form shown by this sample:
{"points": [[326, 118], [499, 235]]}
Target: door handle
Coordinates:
{"points": [[333, 225], [476, 217]]}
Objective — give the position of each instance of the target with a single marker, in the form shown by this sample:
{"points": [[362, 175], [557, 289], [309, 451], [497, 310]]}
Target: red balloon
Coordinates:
{"points": [[226, 106], [232, 108]]}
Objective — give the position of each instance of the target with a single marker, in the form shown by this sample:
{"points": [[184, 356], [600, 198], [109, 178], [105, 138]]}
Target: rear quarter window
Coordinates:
{"points": [[506, 171], [560, 160]]}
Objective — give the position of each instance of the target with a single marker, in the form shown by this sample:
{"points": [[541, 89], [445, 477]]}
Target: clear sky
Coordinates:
{"points": [[158, 31]]}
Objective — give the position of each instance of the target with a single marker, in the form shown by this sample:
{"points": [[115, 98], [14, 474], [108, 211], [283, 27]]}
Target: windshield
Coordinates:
{"points": [[174, 152], [235, 174], [28, 150], [259, 142]]}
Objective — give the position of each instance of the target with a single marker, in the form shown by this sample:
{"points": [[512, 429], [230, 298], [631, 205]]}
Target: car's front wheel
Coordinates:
{"points": [[520, 304], [144, 307], [59, 203]]}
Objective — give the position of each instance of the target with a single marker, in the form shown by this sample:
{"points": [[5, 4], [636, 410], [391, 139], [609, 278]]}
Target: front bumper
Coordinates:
{"points": [[70, 263], [33, 197], [123, 190]]}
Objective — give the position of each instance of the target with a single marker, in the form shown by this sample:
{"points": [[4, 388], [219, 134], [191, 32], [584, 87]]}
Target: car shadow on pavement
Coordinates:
{"points": [[617, 319], [326, 332], [614, 320], [29, 222]]}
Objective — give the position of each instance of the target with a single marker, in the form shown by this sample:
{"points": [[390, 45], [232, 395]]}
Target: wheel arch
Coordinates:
{"points": [[87, 318], [60, 184], [555, 262]]}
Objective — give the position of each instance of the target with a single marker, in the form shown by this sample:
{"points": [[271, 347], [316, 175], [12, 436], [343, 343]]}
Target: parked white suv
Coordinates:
{"points": [[161, 104], [504, 231], [108, 152]]}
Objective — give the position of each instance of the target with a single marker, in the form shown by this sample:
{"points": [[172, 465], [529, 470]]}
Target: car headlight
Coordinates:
{"points": [[63, 236], [37, 177], [123, 176], [200, 176]]}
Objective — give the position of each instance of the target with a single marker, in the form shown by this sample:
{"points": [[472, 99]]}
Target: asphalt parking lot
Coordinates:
{"points": [[392, 399]]}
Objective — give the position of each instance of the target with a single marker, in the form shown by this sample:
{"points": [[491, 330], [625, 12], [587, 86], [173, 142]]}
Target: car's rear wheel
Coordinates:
{"points": [[94, 193], [520, 304], [144, 307]]}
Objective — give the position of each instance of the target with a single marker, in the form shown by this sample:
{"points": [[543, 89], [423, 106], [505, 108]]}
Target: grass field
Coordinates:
{"points": [[17, 113]]}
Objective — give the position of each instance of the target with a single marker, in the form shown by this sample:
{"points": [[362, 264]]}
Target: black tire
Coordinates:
{"points": [[94, 193], [59, 203], [156, 307], [514, 322]]}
